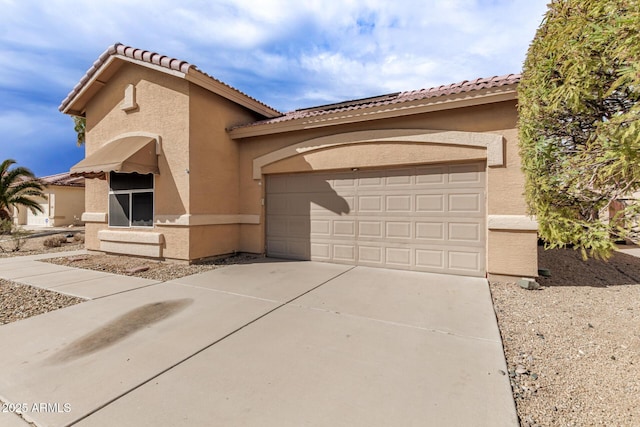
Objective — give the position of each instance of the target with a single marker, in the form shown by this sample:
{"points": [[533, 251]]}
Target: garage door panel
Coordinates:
{"points": [[298, 227], [464, 260], [430, 259], [428, 218], [321, 251], [465, 203], [370, 229], [370, 254], [430, 176], [344, 228], [302, 183], [320, 227], [466, 173], [370, 203], [277, 247], [398, 229], [398, 257], [344, 253], [277, 184], [277, 226], [430, 203], [467, 232], [399, 203], [370, 182], [278, 204], [328, 204], [430, 230]]}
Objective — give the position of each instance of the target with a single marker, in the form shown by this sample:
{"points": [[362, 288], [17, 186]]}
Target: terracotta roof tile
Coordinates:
{"points": [[144, 56], [394, 98]]}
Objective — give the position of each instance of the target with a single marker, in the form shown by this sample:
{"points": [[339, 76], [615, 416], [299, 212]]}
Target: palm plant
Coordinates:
{"points": [[18, 186]]}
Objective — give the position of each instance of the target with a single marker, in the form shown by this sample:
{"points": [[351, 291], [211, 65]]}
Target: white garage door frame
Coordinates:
{"points": [[425, 218]]}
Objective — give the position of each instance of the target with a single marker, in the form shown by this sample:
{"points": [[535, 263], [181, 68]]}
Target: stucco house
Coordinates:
{"points": [[62, 205], [181, 166]]}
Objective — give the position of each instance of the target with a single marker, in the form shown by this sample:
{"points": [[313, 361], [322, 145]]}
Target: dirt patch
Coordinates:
{"points": [[573, 347]]}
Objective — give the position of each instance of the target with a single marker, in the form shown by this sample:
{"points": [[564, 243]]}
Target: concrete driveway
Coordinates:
{"points": [[267, 344]]}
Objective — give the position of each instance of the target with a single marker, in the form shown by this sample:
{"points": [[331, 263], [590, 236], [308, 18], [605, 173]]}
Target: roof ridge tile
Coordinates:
{"points": [[148, 57]]}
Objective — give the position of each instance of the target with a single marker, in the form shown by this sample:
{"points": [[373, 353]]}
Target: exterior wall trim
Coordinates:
{"points": [[512, 222], [94, 217], [130, 236], [187, 220], [131, 242], [492, 142]]}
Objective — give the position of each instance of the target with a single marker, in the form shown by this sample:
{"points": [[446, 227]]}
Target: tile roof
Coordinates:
{"points": [[394, 98], [118, 49], [63, 179]]}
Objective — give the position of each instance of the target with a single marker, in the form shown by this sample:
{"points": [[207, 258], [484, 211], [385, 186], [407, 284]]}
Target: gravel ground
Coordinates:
{"points": [[146, 268], [573, 347], [35, 246], [18, 301]]}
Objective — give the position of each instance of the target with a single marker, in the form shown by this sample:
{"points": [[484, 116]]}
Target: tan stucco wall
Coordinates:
{"points": [[211, 240], [163, 109], [505, 184], [198, 162], [163, 106], [213, 163], [64, 205], [68, 204], [513, 253], [376, 154]]}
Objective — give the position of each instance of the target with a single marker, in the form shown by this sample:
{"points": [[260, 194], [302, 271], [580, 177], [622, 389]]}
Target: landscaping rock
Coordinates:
{"points": [[528, 284]]}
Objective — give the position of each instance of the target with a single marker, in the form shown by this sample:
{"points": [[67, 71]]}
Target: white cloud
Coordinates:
{"points": [[287, 53]]}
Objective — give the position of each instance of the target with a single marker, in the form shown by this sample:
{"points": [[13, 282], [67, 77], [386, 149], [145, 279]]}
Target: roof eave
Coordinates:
{"points": [[440, 103], [106, 69], [76, 104]]}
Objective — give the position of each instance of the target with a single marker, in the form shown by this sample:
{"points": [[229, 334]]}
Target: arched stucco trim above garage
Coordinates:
{"points": [[493, 143]]}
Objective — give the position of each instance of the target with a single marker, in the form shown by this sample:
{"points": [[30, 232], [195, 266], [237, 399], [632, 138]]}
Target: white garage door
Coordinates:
{"points": [[429, 218], [39, 218]]}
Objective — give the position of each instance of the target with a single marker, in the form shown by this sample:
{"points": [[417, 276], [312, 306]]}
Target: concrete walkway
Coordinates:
{"points": [[265, 344], [76, 282]]}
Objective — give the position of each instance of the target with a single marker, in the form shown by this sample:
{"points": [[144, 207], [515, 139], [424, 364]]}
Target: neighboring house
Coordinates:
{"points": [[184, 167], [63, 203]]}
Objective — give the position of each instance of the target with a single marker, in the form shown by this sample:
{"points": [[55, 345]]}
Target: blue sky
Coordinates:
{"points": [[288, 54]]}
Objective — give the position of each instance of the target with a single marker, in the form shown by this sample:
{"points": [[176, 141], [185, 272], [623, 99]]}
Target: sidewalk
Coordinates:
{"points": [[76, 282]]}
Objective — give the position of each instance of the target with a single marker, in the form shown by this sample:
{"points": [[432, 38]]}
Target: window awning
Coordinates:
{"points": [[128, 154]]}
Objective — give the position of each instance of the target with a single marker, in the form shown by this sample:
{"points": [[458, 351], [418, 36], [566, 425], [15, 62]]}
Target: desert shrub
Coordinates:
{"points": [[54, 241], [14, 237], [6, 226]]}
